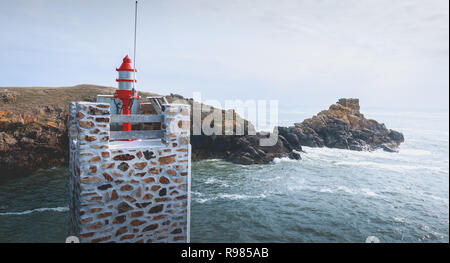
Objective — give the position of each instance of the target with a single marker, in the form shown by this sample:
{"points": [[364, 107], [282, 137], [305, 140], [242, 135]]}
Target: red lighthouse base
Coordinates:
{"points": [[126, 96]]}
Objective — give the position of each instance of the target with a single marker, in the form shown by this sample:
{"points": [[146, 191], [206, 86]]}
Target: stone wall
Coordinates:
{"points": [[123, 191]]}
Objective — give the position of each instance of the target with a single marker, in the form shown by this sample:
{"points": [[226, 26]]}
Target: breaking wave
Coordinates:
{"points": [[393, 167], [44, 209]]}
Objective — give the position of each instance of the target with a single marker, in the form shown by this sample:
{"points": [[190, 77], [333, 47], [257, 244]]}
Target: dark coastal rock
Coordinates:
{"points": [[389, 148], [295, 156], [342, 126], [244, 149], [27, 145], [33, 131], [240, 149]]}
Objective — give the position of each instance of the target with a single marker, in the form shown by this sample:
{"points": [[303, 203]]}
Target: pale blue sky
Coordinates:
{"points": [[388, 53]]}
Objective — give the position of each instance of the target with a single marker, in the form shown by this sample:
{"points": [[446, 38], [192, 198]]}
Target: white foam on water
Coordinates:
{"points": [[44, 209], [368, 192], [399, 219], [202, 200], [229, 197], [346, 189], [330, 155], [414, 152], [393, 167], [240, 196], [196, 193], [445, 200], [324, 151], [326, 190], [212, 180], [270, 179], [210, 161], [294, 184], [360, 156], [285, 159], [362, 191], [294, 188], [425, 228]]}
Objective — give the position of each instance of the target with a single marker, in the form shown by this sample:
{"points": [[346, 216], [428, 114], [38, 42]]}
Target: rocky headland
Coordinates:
{"points": [[33, 131], [343, 126]]}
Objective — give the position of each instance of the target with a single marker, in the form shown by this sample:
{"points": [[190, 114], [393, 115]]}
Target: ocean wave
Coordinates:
{"points": [[284, 160], [240, 196], [209, 161], [399, 219], [44, 209], [201, 200], [438, 198], [196, 193], [325, 153], [317, 153], [229, 197], [368, 192], [296, 187], [393, 167], [362, 191], [414, 152], [346, 189], [269, 179], [212, 180]]}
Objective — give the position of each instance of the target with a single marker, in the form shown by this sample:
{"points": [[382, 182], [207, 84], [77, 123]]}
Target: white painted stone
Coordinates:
{"points": [[93, 215]]}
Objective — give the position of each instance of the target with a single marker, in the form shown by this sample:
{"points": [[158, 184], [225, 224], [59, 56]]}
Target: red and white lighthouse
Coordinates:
{"points": [[126, 92]]}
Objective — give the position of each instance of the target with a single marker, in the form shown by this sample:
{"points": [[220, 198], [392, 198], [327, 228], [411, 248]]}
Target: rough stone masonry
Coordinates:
{"points": [[128, 193]]}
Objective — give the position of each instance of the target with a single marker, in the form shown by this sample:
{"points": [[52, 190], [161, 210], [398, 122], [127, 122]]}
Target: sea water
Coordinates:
{"points": [[330, 195]]}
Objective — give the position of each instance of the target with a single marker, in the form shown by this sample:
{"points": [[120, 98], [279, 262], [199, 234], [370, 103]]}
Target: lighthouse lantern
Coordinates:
{"points": [[126, 92]]}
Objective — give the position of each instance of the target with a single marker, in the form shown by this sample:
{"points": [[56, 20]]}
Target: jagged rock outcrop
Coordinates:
{"points": [[241, 149], [343, 126]]}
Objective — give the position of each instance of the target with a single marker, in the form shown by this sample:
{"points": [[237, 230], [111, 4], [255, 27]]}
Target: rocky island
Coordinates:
{"points": [[33, 131], [343, 126]]}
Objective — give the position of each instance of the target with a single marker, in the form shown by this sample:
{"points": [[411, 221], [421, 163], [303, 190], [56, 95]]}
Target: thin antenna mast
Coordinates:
{"points": [[135, 34]]}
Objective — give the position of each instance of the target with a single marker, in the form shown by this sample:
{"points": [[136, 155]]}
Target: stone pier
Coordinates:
{"points": [[129, 191]]}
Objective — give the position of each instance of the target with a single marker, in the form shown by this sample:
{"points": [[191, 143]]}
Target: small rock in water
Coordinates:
{"points": [[295, 156], [390, 149]]}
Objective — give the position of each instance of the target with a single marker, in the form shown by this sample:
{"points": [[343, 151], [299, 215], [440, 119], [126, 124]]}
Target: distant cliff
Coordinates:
{"points": [[33, 132]]}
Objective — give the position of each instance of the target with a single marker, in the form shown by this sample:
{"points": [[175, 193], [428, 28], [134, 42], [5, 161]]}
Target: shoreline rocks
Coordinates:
{"points": [[241, 149], [342, 126], [33, 134], [31, 146]]}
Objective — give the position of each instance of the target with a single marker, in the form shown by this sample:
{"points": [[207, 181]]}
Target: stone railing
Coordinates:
{"points": [[129, 191]]}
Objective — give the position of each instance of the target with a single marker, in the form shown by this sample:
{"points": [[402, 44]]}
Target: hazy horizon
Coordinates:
{"points": [[386, 53]]}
